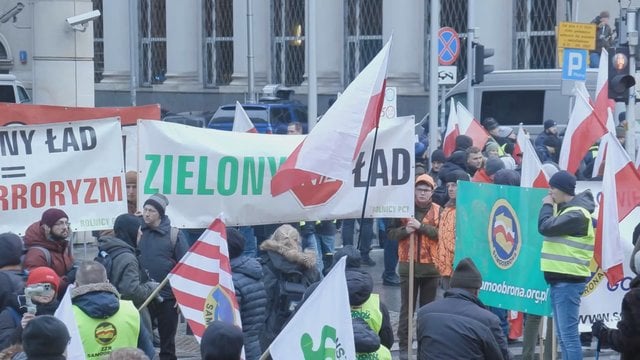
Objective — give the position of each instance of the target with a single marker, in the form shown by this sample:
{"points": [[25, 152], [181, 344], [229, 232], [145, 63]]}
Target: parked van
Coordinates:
{"points": [[520, 96], [12, 90], [267, 117]]}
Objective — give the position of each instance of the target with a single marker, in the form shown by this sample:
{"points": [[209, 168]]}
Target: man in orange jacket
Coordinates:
{"points": [[423, 228]]}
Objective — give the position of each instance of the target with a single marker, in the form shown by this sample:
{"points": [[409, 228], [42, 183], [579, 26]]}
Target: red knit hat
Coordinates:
{"points": [[43, 275], [51, 216]]}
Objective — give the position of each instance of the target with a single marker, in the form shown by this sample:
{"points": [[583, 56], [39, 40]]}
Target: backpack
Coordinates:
{"points": [[288, 293], [106, 260]]}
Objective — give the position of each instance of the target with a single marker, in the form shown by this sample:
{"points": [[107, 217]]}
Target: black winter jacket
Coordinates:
{"points": [[157, 255], [459, 327], [252, 298], [126, 274], [626, 338]]}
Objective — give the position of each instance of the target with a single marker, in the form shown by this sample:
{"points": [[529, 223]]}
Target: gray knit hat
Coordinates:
{"points": [[159, 202], [466, 275]]}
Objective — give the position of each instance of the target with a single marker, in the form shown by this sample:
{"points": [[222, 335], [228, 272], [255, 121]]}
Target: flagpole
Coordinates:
{"points": [[265, 355], [412, 238], [154, 293]]}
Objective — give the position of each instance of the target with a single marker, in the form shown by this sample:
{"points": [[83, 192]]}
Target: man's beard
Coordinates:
{"points": [[56, 237]]}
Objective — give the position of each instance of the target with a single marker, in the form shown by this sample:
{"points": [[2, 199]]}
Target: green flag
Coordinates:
{"points": [[497, 226]]}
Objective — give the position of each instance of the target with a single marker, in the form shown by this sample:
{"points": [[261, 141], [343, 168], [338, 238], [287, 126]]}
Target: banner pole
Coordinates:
{"points": [[265, 355], [412, 238], [154, 293]]}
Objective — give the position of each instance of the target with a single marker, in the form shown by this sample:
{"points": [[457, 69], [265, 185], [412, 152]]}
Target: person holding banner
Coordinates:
{"points": [[567, 249], [423, 227]]}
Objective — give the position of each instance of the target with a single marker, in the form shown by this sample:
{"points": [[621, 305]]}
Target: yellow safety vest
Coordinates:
{"points": [[101, 336], [569, 255], [370, 312]]}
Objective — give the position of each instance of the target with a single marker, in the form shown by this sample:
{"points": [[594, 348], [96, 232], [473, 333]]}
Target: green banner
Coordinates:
{"points": [[497, 226]]}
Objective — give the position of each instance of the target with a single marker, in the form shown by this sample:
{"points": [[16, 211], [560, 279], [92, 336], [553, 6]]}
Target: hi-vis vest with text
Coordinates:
{"points": [[370, 312], [569, 254], [101, 336]]}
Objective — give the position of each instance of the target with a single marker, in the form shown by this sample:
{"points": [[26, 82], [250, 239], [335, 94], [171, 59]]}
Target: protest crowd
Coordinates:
{"points": [[126, 301]]}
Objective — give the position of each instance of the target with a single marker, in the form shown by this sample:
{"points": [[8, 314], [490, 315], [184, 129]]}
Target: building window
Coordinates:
{"points": [[218, 42], [153, 41], [288, 41], [535, 37], [98, 44], [453, 13], [363, 28]]}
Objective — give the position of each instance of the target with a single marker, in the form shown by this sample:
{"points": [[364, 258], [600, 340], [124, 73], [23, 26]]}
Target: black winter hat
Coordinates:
{"points": [[10, 249], [490, 124], [235, 242], [466, 275], [493, 165], [507, 177], [552, 141], [549, 124], [459, 158], [438, 155], [352, 254], [463, 142], [456, 175], [126, 228], [45, 336], [564, 181], [221, 341], [159, 202], [360, 285]]}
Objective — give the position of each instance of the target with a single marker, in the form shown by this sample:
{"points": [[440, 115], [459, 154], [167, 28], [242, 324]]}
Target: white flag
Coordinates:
{"points": [[241, 121], [64, 312], [321, 328]]}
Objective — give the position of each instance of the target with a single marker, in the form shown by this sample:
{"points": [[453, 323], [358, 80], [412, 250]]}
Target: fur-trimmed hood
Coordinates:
{"points": [[98, 301], [290, 251]]}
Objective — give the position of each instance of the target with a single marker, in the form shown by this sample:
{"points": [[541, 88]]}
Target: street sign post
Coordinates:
{"points": [[448, 46], [574, 64]]}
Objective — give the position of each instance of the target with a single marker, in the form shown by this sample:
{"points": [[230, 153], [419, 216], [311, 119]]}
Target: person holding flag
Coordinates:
{"points": [[567, 249]]}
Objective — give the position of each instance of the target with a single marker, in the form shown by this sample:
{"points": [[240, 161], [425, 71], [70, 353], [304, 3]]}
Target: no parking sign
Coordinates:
{"points": [[448, 46]]}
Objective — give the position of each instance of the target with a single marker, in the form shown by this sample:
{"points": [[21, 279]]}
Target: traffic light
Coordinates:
{"points": [[480, 53], [620, 79]]}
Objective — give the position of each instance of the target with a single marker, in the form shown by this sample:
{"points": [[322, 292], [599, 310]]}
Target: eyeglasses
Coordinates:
{"points": [[62, 223], [425, 191]]}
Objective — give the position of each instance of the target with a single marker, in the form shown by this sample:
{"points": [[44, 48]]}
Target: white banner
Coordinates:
{"points": [[204, 172], [75, 166], [600, 301]]}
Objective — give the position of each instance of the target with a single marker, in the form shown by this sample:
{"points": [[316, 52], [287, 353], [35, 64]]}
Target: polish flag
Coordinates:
{"points": [[468, 125], [241, 121], [532, 173], [583, 130], [202, 283], [621, 180], [602, 149], [330, 148], [602, 102], [449, 143]]}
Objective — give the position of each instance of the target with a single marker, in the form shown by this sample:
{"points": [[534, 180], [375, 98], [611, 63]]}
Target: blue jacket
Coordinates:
{"points": [[252, 298]]}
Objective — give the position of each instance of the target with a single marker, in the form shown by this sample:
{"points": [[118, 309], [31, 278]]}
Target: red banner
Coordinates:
{"points": [[43, 114]]}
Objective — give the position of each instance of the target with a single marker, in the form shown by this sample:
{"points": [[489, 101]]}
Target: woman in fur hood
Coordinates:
{"points": [[288, 271]]}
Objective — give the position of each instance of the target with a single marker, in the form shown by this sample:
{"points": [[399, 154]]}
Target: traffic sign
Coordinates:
{"points": [[574, 64], [577, 35], [447, 75], [448, 46]]}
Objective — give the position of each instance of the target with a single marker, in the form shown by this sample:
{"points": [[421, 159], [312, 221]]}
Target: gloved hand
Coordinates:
{"points": [[153, 285], [598, 328]]}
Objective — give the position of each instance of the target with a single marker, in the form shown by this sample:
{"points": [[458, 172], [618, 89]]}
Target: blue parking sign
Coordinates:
{"points": [[574, 64]]}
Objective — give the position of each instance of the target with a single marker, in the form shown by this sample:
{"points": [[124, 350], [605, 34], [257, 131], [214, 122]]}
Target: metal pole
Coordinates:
{"points": [[470, 62], [250, 71], [443, 110], [434, 134], [133, 50], [312, 102], [632, 36]]}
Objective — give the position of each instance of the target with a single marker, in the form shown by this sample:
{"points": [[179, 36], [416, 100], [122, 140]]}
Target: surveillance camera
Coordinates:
{"points": [[12, 13], [79, 22]]}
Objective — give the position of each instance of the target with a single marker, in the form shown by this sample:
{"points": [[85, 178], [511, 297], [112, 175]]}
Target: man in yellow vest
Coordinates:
{"points": [[105, 322], [566, 224]]}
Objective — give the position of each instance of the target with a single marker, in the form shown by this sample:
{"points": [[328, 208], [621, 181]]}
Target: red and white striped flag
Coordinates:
{"points": [[620, 191], [533, 175], [241, 121], [449, 143], [468, 125], [202, 282], [333, 144], [583, 130]]}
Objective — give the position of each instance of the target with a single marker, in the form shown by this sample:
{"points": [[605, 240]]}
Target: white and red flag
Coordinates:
{"points": [[533, 175], [449, 143], [583, 130], [330, 148], [602, 149], [620, 195], [602, 101], [202, 284], [241, 121], [468, 125]]}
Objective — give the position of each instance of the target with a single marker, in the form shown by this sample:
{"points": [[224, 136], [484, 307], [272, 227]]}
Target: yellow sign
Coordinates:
{"points": [[577, 35]]}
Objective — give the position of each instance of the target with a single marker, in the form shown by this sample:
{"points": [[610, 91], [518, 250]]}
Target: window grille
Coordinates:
{"points": [[288, 41], [363, 35], [218, 42], [153, 41], [453, 13], [534, 33], [98, 44]]}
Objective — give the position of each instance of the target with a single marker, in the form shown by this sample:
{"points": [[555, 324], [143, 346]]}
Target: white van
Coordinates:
{"points": [[521, 96], [12, 90]]}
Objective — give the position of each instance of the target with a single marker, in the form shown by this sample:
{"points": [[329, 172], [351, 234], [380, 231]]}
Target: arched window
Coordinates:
{"points": [[6, 58]]}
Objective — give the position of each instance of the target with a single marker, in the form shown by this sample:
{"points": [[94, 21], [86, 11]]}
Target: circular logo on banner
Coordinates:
{"points": [[594, 280], [105, 333], [219, 306], [504, 234]]}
